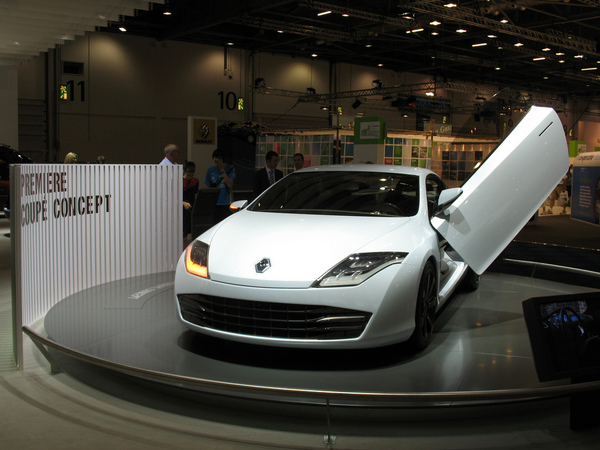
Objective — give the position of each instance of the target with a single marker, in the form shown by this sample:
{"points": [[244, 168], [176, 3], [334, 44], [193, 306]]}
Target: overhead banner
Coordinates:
{"points": [[369, 130]]}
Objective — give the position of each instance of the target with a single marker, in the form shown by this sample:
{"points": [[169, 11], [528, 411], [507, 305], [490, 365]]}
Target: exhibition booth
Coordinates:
{"points": [[94, 251]]}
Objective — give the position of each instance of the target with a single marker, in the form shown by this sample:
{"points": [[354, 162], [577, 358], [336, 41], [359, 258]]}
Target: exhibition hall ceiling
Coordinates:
{"points": [[549, 46], [530, 46], [31, 27]]}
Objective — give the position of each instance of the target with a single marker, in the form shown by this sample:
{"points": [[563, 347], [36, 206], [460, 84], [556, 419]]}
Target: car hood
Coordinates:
{"points": [[299, 247]]}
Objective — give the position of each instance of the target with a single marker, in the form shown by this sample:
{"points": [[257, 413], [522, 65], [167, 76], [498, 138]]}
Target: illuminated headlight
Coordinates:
{"points": [[196, 259], [357, 268]]}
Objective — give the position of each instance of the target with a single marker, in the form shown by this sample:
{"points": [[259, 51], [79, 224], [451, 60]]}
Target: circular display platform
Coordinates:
{"points": [[480, 342]]}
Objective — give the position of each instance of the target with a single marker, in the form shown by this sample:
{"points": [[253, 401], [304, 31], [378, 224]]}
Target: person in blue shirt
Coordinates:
{"points": [[221, 175]]}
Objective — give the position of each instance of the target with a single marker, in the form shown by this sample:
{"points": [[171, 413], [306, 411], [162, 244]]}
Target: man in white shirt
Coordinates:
{"points": [[171, 155]]}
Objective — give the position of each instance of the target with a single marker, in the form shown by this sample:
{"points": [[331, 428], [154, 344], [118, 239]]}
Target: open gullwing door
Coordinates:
{"points": [[506, 191]]}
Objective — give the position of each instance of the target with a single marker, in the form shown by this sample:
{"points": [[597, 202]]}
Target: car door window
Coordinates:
{"points": [[434, 187]]}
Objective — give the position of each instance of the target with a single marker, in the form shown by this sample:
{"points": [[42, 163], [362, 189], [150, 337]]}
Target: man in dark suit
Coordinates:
{"points": [[268, 175]]}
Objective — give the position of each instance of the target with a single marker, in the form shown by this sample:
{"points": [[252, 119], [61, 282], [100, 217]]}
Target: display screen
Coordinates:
{"points": [[565, 335]]}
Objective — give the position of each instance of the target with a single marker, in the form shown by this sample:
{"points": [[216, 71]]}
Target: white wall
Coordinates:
{"points": [[9, 123], [589, 132], [139, 92]]}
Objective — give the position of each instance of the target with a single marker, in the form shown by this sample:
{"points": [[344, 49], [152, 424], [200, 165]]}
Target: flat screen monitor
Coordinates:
{"points": [[565, 335]]}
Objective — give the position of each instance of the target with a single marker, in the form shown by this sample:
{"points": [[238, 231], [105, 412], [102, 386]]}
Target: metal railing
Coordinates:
{"points": [[278, 393]]}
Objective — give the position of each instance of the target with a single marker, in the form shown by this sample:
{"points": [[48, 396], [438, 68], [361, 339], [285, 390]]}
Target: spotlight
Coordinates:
{"points": [[377, 83], [324, 108], [311, 91], [356, 104], [260, 83]]}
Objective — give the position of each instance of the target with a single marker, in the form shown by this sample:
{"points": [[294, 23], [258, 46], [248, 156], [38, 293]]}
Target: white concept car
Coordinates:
{"points": [[357, 256]]}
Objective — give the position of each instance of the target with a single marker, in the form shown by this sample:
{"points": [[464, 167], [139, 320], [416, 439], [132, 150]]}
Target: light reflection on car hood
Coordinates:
{"points": [[300, 247]]}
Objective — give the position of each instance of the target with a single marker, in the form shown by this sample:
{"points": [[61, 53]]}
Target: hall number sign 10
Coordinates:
{"points": [[231, 101]]}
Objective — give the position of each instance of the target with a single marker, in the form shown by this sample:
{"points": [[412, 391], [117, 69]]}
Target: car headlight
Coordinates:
{"points": [[196, 259], [358, 267]]}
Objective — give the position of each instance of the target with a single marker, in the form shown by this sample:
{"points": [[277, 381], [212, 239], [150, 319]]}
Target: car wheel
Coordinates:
{"points": [[425, 309], [471, 281]]}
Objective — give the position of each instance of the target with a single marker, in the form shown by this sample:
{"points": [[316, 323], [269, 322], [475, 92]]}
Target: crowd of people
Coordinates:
{"points": [[222, 175], [560, 196]]}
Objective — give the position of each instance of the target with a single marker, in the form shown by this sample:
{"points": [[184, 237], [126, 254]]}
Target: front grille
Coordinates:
{"points": [[275, 320]]}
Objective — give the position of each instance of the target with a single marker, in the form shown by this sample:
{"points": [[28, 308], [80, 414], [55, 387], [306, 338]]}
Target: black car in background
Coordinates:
{"points": [[8, 155]]}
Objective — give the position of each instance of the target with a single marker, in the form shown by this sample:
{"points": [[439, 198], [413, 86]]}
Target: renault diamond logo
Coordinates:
{"points": [[262, 265]]}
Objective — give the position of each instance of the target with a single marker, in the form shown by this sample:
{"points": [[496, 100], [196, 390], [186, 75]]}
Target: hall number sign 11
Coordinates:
{"points": [[67, 91]]}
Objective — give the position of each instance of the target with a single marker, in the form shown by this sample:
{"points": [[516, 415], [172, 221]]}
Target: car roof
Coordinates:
{"points": [[393, 169], [10, 156]]}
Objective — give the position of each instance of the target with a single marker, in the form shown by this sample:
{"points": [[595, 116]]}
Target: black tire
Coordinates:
{"points": [[425, 309], [471, 281]]}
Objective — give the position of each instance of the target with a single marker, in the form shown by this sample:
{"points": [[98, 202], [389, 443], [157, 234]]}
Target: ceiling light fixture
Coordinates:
{"points": [[435, 23], [580, 56], [590, 68], [451, 5], [492, 36], [539, 58], [418, 30], [481, 44], [314, 55], [324, 13], [430, 93], [122, 29], [461, 30], [546, 49], [519, 44], [560, 53], [345, 15], [435, 33]]}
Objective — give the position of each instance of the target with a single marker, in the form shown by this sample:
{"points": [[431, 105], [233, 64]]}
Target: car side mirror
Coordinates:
{"points": [[236, 206], [446, 198]]}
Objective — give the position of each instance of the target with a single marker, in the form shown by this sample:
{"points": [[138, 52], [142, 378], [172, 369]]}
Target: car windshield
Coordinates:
{"points": [[343, 193]]}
